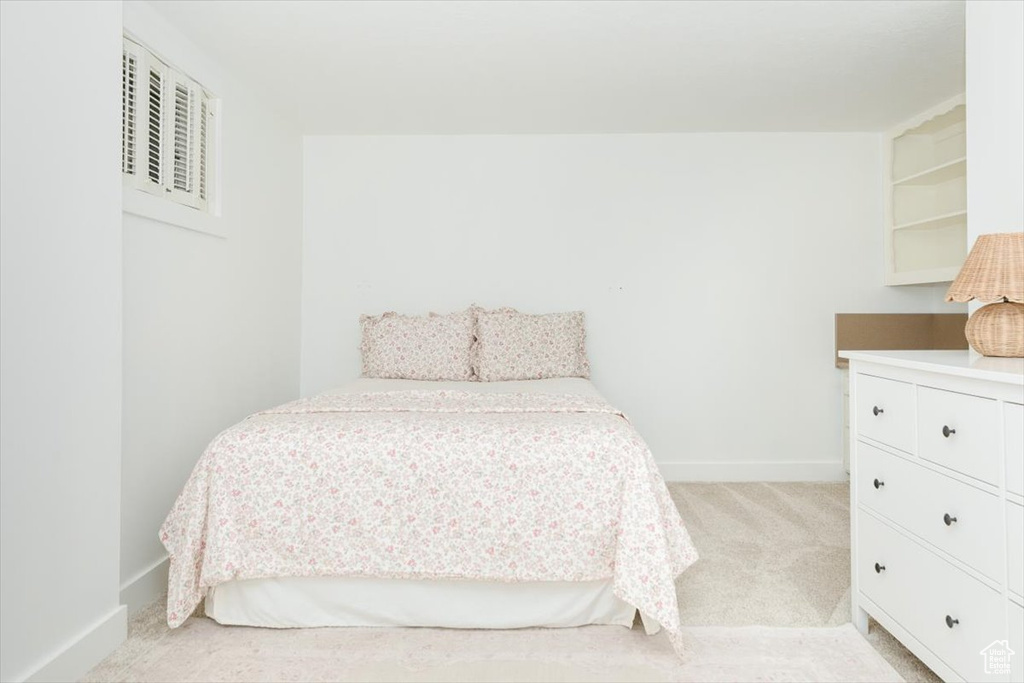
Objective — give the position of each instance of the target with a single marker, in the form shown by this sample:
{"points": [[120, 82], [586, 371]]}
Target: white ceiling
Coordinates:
{"points": [[581, 67]]}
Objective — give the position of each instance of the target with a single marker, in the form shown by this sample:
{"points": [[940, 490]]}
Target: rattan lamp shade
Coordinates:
{"points": [[994, 273]]}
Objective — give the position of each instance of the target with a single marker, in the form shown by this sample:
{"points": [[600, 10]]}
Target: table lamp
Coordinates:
{"points": [[994, 274]]}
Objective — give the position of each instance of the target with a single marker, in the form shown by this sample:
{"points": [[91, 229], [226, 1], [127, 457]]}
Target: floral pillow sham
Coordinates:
{"points": [[516, 346], [431, 347]]}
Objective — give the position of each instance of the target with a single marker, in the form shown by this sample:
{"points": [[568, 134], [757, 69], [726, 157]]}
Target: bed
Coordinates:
{"points": [[414, 503]]}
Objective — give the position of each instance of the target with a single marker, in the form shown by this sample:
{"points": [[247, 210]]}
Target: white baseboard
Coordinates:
{"points": [[753, 471], [146, 586], [85, 650]]}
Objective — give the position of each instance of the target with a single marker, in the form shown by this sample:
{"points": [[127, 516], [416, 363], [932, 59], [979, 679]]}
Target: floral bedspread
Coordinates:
{"points": [[430, 485]]}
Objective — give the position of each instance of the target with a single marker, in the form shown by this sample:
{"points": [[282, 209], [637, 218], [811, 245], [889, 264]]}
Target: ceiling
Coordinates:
{"points": [[551, 66]]}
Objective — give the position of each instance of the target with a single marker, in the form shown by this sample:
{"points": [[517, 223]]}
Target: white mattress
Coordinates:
{"points": [[290, 602]]}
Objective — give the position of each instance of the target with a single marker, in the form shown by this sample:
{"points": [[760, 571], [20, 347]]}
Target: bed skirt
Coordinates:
{"points": [[303, 602]]}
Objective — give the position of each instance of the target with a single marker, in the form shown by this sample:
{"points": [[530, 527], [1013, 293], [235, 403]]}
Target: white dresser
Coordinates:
{"points": [[937, 506]]}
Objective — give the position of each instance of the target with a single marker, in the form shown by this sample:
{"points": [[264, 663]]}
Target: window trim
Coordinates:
{"points": [[163, 202]]}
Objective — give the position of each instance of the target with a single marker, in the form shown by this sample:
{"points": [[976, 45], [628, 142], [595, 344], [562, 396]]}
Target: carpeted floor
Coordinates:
{"points": [[769, 600], [775, 554]]}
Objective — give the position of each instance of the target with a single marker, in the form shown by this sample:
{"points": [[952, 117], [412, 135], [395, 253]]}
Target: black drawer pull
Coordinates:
{"points": [[951, 622], [879, 568], [946, 431], [879, 484], [948, 520], [876, 410]]}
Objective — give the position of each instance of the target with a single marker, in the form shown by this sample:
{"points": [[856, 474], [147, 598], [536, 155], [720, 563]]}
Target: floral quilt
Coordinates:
{"points": [[430, 485]]}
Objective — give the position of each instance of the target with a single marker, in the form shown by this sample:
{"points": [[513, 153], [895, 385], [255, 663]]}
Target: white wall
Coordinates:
{"points": [[995, 117], [211, 325], [709, 266], [60, 337]]}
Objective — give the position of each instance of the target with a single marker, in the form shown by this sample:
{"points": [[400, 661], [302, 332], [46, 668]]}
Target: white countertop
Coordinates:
{"points": [[961, 363]]}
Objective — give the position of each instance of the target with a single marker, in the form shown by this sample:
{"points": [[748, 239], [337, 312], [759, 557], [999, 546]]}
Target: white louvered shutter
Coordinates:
{"points": [[155, 125], [205, 113], [129, 107], [167, 121], [189, 140], [181, 161], [142, 139]]}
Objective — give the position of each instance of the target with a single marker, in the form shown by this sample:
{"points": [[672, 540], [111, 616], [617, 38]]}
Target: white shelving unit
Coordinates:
{"points": [[926, 196]]}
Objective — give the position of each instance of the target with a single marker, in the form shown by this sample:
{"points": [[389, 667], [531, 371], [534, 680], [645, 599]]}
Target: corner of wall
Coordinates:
{"points": [[146, 587], [76, 657]]}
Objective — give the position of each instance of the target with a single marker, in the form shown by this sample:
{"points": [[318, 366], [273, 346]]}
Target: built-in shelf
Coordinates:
{"points": [[942, 173], [926, 196], [916, 277], [935, 222]]}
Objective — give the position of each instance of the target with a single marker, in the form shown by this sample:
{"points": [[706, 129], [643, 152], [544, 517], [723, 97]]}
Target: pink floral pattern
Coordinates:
{"points": [[430, 484], [515, 346], [434, 347]]}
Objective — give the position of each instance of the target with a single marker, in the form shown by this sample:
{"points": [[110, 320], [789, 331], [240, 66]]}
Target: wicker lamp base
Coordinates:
{"points": [[997, 330]]}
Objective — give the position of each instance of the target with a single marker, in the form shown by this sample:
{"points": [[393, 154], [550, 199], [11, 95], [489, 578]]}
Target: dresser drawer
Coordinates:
{"points": [[1013, 421], [1015, 548], [885, 411], [960, 432], [920, 590], [919, 499]]}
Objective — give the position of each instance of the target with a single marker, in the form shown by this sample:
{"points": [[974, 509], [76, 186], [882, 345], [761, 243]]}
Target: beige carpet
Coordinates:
{"points": [[775, 555], [769, 600], [202, 650]]}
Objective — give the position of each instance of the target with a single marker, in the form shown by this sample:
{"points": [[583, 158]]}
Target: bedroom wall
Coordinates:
{"points": [[709, 267], [60, 338], [211, 324], [995, 121]]}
